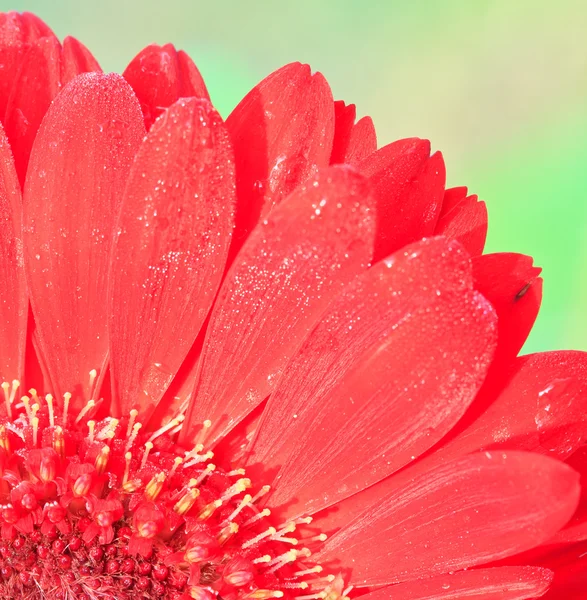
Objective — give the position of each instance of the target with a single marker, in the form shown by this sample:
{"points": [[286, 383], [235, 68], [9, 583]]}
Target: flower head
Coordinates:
{"points": [[259, 358]]}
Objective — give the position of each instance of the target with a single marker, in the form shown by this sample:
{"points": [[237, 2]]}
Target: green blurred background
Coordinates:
{"points": [[498, 85]]}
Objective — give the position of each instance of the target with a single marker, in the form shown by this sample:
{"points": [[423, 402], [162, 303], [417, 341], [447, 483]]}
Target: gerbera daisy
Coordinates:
{"points": [[259, 358]]}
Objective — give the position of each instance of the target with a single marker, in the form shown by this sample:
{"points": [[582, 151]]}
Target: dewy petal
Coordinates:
{"points": [[499, 583], [76, 59], [540, 406], [45, 67], [170, 252], [79, 165], [14, 305], [475, 510], [507, 413], [467, 223], [295, 261], [352, 142], [17, 31], [513, 286], [576, 529], [400, 354], [409, 187], [282, 133], [160, 75]]}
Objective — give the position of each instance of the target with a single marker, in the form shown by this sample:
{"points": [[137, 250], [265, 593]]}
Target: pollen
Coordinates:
{"points": [[103, 508]]}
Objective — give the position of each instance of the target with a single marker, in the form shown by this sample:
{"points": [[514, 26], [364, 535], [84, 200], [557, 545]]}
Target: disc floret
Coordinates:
{"points": [[103, 508]]}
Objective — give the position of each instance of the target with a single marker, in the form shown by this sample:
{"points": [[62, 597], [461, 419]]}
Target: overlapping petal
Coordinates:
{"points": [[499, 583], [293, 263], [475, 510], [409, 187], [170, 250], [45, 67], [282, 132], [348, 379], [79, 166], [512, 284], [14, 305], [17, 32], [352, 141], [160, 75], [463, 219]]}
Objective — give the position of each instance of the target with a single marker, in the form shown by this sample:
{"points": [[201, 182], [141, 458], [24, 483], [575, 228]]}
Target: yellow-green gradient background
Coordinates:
{"points": [[498, 85]]}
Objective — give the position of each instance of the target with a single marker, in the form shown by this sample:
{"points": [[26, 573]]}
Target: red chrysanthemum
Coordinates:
{"points": [[262, 358]]}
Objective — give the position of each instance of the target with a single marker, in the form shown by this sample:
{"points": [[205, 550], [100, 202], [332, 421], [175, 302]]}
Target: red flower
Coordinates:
{"points": [[274, 294]]}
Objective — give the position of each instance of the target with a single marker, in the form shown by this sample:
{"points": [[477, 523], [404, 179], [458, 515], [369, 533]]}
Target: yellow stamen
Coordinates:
{"points": [[93, 375], [264, 513], [209, 510], [244, 502], [209, 469], [203, 432], [127, 458], [176, 462], [262, 492], [4, 441], [187, 501], [148, 448], [35, 425], [264, 594], [85, 410], [102, 459], [131, 486], [66, 399], [155, 486], [133, 436], [249, 543], [27, 407], [133, 415], [59, 441], [173, 423], [227, 533], [91, 427]]}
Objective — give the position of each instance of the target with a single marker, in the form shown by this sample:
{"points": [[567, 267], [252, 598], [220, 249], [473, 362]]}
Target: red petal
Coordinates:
{"points": [[76, 59], [466, 223], [344, 121], [501, 583], [17, 31], [14, 305], [478, 509], [18, 27], [400, 354], [507, 413], [282, 133], [541, 407], [160, 75], [79, 165], [570, 575], [36, 84], [452, 198], [576, 529], [363, 141], [409, 186], [513, 286], [352, 143], [291, 266], [175, 230]]}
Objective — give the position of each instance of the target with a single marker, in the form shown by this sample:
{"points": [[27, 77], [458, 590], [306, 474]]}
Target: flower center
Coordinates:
{"points": [[102, 509]]}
